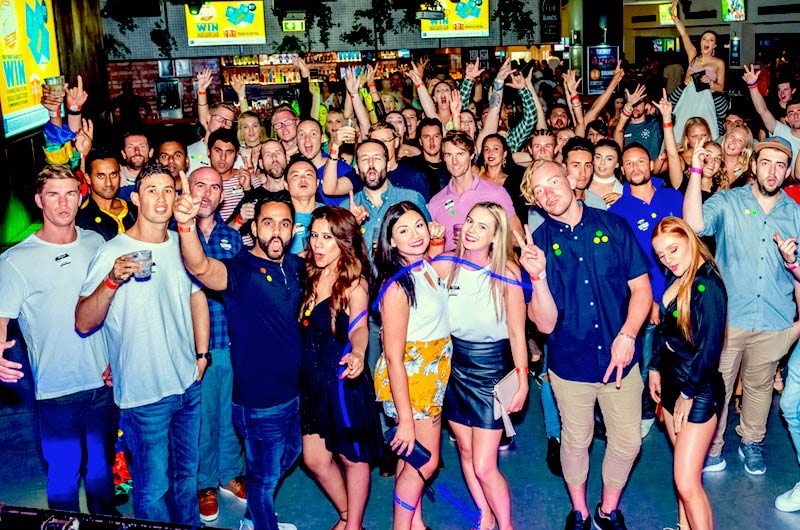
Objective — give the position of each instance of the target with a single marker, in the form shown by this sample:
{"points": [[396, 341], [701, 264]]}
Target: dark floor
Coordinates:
{"points": [[540, 501]]}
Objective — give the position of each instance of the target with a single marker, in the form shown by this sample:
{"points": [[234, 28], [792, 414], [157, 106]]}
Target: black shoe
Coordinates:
{"points": [[614, 520], [553, 457], [575, 521], [388, 463]]}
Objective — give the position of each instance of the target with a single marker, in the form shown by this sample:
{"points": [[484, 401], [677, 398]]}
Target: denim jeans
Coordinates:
{"points": [[272, 443], [648, 407], [163, 440], [790, 400], [552, 421], [74, 427], [221, 450]]}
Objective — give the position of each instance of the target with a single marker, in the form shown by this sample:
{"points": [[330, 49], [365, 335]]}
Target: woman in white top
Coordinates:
{"points": [[487, 322], [412, 372]]}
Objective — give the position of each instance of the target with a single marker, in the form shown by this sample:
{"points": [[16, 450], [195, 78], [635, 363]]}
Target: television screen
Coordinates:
{"points": [[224, 23], [733, 10], [464, 18], [29, 55]]}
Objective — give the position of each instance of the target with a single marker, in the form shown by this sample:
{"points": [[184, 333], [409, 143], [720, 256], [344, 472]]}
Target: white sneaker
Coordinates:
{"points": [[789, 501], [286, 526], [647, 424]]}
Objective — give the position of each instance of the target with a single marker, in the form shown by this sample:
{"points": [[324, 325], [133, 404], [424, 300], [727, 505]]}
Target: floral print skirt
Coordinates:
{"points": [[428, 369]]}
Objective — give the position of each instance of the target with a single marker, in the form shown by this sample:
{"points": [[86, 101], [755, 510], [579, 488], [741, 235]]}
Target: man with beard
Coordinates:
{"points": [[643, 204], [309, 145], [156, 330], [429, 134], [102, 211], [223, 116], [371, 203], [591, 295], [136, 152], [172, 153], [284, 122], [558, 117], [760, 286], [273, 163], [221, 451], [261, 290], [636, 126]]}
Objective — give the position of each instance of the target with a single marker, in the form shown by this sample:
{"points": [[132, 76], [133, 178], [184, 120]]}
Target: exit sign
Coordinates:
{"points": [[294, 26]]}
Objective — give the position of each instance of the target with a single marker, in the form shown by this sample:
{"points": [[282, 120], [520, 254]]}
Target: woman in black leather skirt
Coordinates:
{"points": [[684, 371]]}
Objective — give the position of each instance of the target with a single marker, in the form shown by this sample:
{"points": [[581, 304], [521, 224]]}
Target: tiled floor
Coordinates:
{"points": [[540, 501]]}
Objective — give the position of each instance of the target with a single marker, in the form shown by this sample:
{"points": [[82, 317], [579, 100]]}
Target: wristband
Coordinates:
{"points": [[754, 85], [542, 275], [71, 112], [111, 285], [201, 92], [696, 171], [352, 96], [575, 96], [371, 85], [206, 355], [75, 108], [523, 369], [55, 113], [684, 396], [437, 242], [625, 335], [791, 266], [625, 113], [667, 125], [417, 85], [239, 219], [186, 229]]}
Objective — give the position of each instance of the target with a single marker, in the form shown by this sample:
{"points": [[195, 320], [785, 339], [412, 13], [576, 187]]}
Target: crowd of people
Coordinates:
{"points": [[297, 286]]}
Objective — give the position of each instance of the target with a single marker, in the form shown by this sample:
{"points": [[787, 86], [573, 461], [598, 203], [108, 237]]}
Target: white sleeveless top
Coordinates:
{"points": [[427, 320], [472, 310]]}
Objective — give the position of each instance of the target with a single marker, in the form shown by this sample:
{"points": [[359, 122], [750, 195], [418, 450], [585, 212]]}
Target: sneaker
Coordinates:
{"points": [[236, 489], [286, 526], [789, 501], [714, 463], [612, 521], [575, 521], [209, 506], [753, 456], [647, 424], [553, 457], [506, 443]]}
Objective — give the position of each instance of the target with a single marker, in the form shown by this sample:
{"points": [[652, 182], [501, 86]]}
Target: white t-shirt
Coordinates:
{"points": [[427, 320], [472, 309], [148, 329], [39, 285]]}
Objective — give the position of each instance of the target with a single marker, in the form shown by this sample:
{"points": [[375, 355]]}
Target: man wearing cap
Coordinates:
{"points": [[761, 305]]}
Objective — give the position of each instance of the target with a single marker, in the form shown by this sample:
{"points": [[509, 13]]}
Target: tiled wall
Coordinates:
{"points": [[343, 18]]}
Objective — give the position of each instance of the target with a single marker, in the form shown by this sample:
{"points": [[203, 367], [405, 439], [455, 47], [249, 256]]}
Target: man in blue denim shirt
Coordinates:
{"points": [[221, 451], [761, 304]]}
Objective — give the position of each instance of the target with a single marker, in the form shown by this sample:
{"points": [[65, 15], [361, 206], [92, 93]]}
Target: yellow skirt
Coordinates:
{"points": [[428, 369]]}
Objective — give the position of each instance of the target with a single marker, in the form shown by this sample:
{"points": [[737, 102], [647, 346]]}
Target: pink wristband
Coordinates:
{"points": [[697, 171]]}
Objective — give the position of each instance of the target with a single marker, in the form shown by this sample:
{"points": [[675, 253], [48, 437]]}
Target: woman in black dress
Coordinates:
{"points": [[337, 410], [684, 371]]}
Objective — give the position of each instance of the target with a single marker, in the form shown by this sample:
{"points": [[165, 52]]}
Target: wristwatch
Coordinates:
{"points": [[206, 355]]}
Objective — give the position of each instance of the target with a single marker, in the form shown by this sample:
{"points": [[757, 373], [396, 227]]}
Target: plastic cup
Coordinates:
{"points": [[350, 122], [145, 257], [56, 84], [457, 232]]}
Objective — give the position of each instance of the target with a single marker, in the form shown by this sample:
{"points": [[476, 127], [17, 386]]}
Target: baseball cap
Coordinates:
{"points": [[775, 142]]}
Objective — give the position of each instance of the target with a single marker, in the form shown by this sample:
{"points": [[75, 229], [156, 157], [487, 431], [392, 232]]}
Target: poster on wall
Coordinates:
{"points": [[466, 18], [602, 60], [225, 23], [29, 55], [550, 20]]}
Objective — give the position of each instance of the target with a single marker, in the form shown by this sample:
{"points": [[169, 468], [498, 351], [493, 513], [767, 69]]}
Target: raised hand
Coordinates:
{"points": [[673, 10], [244, 179], [51, 100], [504, 71], [474, 70], [186, 206], [247, 211], [358, 210], [750, 75], [10, 372], [370, 74], [436, 230], [423, 64], [636, 97], [300, 63], [238, 85], [665, 107], [516, 81], [351, 82], [698, 156], [203, 79], [455, 102], [414, 73], [788, 248], [344, 135], [76, 96], [619, 73], [85, 137], [532, 258], [572, 82]]}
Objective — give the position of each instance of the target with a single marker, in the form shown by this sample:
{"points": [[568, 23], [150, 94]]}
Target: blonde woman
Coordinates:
{"points": [[737, 147], [487, 345]]}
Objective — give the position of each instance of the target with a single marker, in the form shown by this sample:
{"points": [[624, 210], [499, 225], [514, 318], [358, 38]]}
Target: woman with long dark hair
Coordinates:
{"points": [[684, 372], [487, 345], [336, 412], [412, 372]]}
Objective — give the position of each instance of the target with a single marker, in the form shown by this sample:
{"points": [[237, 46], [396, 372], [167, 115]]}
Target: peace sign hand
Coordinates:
{"points": [[532, 258]]}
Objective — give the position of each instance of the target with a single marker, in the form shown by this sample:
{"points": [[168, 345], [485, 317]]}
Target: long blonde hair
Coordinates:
{"points": [[696, 121], [677, 227], [501, 253], [747, 151]]}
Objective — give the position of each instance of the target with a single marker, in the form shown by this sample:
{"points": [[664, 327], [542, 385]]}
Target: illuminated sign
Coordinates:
{"points": [[733, 10], [29, 55], [225, 23], [601, 65], [467, 18], [290, 26]]}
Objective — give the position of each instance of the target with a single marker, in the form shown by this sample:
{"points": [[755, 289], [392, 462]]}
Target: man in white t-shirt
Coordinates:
{"points": [[156, 330], [40, 279], [223, 116]]}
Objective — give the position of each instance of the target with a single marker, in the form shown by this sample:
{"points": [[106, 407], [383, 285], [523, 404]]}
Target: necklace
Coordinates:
{"points": [[605, 180]]}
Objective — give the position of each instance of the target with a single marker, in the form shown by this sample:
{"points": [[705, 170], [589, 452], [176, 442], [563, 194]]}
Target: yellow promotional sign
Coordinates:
{"points": [[29, 55], [467, 18], [224, 23]]}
